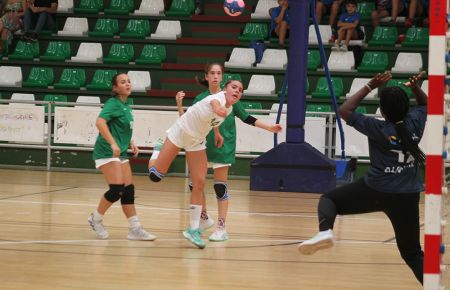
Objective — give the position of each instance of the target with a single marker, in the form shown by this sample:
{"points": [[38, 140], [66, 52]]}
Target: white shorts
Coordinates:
{"points": [[100, 162], [215, 165], [182, 140]]}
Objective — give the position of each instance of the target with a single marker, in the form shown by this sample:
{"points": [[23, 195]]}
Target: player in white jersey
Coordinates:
{"points": [[189, 133]]}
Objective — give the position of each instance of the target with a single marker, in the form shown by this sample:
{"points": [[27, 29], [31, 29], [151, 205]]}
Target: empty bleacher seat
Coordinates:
{"points": [[11, 76], [408, 62], [89, 6], [152, 54], [54, 98], [89, 100], [374, 61], [71, 78], [136, 28], [181, 8], [140, 80], [252, 106], [318, 108], [424, 86], [261, 85], [39, 77], [105, 27], [74, 27], [229, 76], [65, 6], [322, 90], [262, 9], [120, 53], [417, 37], [89, 52], [273, 59], [357, 84], [57, 51], [399, 83], [22, 97], [314, 61], [255, 31], [150, 8], [241, 58], [325, 33], [101, 80], [384, 35], [25, 50], [365, 9], [120, 7], [167, 29], [341, 61]]}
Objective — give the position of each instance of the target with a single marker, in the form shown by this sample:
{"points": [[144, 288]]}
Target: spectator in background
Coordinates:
{"points": [[41, 14], [332, 7], [348, 26], [279, 26], [11, 20], [417, 8], [386, 8]]}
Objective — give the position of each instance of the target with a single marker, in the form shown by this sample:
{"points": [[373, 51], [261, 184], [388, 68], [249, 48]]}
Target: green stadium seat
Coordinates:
{"points": [[287, 88], [399, 83], [417, 37], [130, 101], [54, 98], [255, 31], [252, 106], [318, 108], [57, 51], [120, 7], [365, 9], [152, 54], [227, 76], [314, 61], [181, 8], [101, 80], [384, 35], [136, 28], [322, 90], [25, 50], [105, 27], [361, 109], [374, 61], [120, 53], [71, 78], [39, 77], [89, 7]]}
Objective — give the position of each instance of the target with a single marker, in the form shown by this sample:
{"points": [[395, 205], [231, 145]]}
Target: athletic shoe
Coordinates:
{"points": [[98, 228], [323, 240], [139, 234], [206, 224], [194, 237], [343, 48], [219, 235], [335, 47]]}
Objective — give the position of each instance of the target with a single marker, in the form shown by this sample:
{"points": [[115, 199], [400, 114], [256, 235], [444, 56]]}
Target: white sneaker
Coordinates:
{"points": [[219, 235], [206, 224], [343, 48], [139, 234], [323, 240], [335, 47], [98, 228]]}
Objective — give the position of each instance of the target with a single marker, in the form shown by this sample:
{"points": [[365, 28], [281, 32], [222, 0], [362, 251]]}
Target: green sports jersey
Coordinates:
{"points": [[227, 153], [120, 123]]}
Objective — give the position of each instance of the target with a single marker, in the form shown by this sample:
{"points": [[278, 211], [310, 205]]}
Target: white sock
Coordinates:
{"points": [[195, 211], [134, 222], [97, 217], [155, 155]]}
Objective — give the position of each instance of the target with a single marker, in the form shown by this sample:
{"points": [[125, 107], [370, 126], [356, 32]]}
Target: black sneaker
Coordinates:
{"points": [[33, 37]]}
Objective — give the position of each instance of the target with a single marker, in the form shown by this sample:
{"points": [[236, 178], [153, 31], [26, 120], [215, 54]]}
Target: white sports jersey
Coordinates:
{"points": [[200, 118]]}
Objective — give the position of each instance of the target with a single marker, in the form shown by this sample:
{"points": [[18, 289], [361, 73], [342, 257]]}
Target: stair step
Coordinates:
{"points": [[201, 57], [215, 32], [221, 18], [208, 41], [217, 9], [171, 93]]}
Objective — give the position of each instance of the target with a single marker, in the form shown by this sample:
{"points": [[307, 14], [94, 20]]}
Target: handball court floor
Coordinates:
{"points": [[46, 242]]}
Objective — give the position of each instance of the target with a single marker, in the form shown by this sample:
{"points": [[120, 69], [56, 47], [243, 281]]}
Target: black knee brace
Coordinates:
{"points": [[128, 195], [114, 193], [221, 190]]}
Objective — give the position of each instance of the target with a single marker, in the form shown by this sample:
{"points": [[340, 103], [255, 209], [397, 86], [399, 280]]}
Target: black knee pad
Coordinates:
{"points": [[114, 193], [155, 175], [221, 190], [128, 195]]}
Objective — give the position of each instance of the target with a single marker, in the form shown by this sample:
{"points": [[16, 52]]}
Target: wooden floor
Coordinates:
{"points": [[46, 243]]}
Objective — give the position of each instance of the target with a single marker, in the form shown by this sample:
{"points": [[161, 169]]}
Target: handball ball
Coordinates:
{"points": [[233, 7]]}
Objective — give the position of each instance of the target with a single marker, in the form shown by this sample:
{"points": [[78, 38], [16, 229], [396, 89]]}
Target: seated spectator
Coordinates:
{"points": [[417, 8], [11, 20], [41, 14], [324, 7], [348, 26], [279, 26], [387, 8]]}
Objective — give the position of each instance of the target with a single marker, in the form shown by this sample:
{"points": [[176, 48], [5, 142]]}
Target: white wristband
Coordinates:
{"points": [[368, 87]]}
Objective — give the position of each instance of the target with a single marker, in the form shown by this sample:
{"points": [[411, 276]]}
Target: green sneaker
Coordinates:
{"points": [[194, 237]]}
